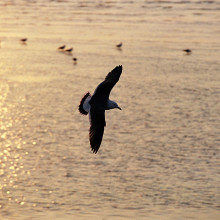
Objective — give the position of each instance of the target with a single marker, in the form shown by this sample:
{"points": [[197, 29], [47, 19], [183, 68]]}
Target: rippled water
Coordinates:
{"points": [[160, 155]]}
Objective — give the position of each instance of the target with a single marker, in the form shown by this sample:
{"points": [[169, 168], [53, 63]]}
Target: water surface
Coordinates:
{"points": [[160, 155]]}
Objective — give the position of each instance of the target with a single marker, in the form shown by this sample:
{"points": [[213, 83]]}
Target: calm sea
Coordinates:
{"points": [[159, 158]]}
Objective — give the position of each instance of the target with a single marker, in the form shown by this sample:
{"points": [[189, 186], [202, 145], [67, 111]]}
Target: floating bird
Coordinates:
{"points": [[188, 51], [74, 60], [96, 105], [61, 47], [119, 45], [69, 50], [23, 40]]}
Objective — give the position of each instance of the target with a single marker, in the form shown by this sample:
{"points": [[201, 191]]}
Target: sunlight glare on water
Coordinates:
{"points": [[159, 158]]}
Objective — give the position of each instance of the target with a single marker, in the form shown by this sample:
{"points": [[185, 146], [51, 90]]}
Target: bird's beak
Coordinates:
{"points": [[119, 108]]}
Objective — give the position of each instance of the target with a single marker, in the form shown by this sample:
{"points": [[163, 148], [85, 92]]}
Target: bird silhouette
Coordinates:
{"points": [[96, 105]]}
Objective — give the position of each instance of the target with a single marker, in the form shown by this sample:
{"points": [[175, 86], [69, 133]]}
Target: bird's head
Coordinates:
{"points": [[112, 104]]}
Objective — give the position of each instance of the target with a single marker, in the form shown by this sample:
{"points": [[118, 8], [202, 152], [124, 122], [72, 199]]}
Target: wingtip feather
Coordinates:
{"points": [[95, 137], [119, 68]]}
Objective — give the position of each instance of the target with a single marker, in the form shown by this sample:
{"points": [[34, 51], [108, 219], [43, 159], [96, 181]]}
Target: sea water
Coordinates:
{"points": [[159, 157]]}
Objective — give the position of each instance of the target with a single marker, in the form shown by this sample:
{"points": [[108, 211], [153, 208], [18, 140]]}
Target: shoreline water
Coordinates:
{"points": [[160, 154]]}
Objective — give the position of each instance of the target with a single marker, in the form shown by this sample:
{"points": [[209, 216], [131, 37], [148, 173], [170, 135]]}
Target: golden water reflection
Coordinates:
{"points": [[159, 155], [11, 152]]}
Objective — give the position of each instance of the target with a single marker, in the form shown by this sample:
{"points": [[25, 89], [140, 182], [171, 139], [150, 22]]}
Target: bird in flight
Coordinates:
{"points": [[96, 105]]}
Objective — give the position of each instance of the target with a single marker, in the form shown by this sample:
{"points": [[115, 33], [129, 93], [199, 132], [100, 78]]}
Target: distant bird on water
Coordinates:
{"points": [[188, 51], [96, 105], [69, 50], [61, 47], [119, 45], [23, 40], [74, 60]]}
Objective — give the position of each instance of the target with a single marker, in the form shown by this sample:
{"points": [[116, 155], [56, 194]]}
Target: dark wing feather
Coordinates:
{"points": [[103, 90], [114, 75], [95, 137], [97, 124], [81, 109]]}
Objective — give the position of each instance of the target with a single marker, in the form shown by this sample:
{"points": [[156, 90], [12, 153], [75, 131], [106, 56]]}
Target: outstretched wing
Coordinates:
{"points": [[103, 90], [97, 124]]}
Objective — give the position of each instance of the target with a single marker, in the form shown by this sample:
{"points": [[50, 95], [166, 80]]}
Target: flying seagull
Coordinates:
{"points": [[96, 105]]}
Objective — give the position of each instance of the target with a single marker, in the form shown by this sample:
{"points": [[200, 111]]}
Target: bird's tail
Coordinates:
{"points": [[84, 104]]}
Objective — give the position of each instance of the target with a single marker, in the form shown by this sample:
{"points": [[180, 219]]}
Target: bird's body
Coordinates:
{"points": [[74, 60], [23, 40], [96, 105], [61, 47], [119, 45], [188, 51], [85, 106], [69, 50]]}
